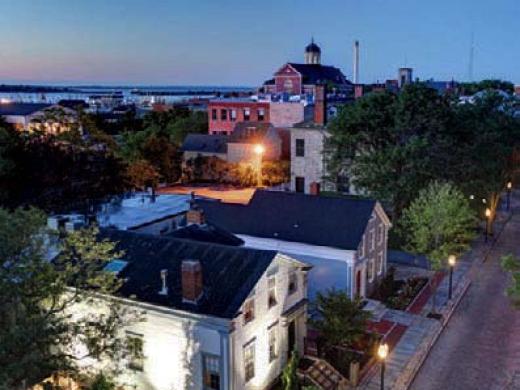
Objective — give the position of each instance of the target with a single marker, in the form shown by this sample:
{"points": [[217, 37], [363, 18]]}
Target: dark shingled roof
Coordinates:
{"points": [[22, 109], [207, 143], [312, 47], [229, 273], [208, 233], [289, 216], [251, 132], [320, 74]]}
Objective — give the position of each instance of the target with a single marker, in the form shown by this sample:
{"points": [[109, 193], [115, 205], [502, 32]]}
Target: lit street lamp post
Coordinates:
{"points": [[451, 262], [259, 150], [382, 352], [488, 223], [509, 188]]}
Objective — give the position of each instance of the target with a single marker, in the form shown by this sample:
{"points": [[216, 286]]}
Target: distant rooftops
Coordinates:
{"points": [[316, 220], [21, 109], [205, 143]]}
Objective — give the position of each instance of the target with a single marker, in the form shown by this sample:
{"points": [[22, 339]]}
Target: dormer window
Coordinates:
{"points": [[293, 282], [249, 310], [271, 286]]}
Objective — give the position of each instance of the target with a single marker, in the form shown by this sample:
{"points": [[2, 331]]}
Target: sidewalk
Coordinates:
{"points": [[422, 332]]}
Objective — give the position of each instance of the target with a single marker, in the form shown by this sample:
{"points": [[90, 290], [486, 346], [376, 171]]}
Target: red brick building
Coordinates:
{"points": [[224, 114]]}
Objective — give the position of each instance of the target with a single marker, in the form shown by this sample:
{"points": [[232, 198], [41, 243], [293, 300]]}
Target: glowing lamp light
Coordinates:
{"points": [[259, 149], [488, 212], [382, 351], [509, 185], [472, 197], [4, 101], [484, 200], [452, 260]]}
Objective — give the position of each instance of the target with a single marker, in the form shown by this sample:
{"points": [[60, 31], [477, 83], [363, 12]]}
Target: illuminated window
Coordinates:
{"points": [[247, 114], [211, 372], [135, 347], [293, 282], [249, 310], [249, 361], [273, 353], [261, 114], [233, 115], [271, 285]]}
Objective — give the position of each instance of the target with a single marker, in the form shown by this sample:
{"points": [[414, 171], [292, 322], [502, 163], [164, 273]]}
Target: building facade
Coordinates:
{"points": [[224, 114]]}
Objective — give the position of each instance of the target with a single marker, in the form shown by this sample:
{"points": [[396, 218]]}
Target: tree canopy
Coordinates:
{"points": [[42, 304]]}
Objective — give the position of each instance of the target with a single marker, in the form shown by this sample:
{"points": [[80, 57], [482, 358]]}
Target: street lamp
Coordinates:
{"points": [[382, 352], [509, 186], [488, 222], [451, 262], [259, 150]]}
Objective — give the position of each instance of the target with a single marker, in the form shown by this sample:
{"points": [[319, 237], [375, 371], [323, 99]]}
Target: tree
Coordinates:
{"points": [[101, 382], [43, 305], [438, 223], [511, 264], [290, 373], [340, 321], [384, 143], [142, 174]]}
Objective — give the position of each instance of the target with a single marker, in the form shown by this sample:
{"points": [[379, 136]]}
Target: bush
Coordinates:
{"points": [[102, 382]]}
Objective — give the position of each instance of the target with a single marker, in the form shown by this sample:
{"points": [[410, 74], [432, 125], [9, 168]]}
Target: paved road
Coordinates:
{"points": [[480, 348]]}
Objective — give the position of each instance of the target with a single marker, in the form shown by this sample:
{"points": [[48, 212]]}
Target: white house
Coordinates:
{"points": [[345, 239], [49, 118], [217, 317]]}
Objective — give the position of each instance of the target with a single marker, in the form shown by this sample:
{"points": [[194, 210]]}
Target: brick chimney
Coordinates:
{"points": [[191, 275], [195, 215], [358, 91], [314, 188], [320, 105]]}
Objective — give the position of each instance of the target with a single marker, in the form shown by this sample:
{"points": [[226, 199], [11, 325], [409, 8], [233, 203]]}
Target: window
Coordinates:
{"points": [[233, 115], [271, 285], [247, 114], [223, 115], [299, 184], [300, 147], [261, 114], [211, 372], [370, 270], [372, 240], [380, 264], [273, 353], [214, 114], [361, 251], [381, 234], [249, 310], [134, 347], [249, 361], [293, 282]]}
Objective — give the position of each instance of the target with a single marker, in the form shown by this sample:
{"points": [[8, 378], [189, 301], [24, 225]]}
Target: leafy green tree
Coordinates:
{"points": [[384, 143], [102, 382], [484, 85], [438, 223], [48, 309], [511, 264], [142, 174], [340, 321], [290, 373]]}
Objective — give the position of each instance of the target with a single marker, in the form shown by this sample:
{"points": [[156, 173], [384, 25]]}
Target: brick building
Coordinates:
{"points": [[224, 114]]}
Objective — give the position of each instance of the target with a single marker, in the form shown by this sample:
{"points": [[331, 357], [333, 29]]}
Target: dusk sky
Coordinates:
{"points": [[236, 42]]}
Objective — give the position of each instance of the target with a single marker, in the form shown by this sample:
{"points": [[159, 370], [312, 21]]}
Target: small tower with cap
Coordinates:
{"points": [[312, 54]]}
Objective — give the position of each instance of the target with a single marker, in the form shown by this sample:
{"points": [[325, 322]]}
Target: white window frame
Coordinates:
{"points": [[205, 369], [246, 304], [271, 287], [380, 258], [272, 330], [381, 234], [372, 268], [372, 239], [246, 347]]}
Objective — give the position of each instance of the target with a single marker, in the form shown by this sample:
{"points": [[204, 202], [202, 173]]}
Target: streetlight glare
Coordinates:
{"points": [[488, 212], [451, 260], [509, 185], [382, 351], [259, 149]]}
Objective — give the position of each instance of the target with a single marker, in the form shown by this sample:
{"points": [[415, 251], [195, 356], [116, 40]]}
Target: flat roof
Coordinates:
{"points": [[141, 209]]}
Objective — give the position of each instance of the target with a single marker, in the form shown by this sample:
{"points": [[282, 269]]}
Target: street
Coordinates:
{"points": [[480, 347]]}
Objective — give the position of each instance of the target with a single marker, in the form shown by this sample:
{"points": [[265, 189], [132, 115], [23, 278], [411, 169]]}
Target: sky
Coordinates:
{"points": [[242, 43]]}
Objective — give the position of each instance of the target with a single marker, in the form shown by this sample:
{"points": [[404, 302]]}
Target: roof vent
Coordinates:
{"points": [[164, 289]]}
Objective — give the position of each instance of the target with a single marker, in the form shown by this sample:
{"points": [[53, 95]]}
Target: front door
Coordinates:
{"points": [[291, 338]]}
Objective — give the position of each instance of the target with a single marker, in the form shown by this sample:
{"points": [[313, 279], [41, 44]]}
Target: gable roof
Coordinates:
{"points": [[320, 74], [208, 233], [229, 273], [208, 143], [289, 216], [22, 109]]}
